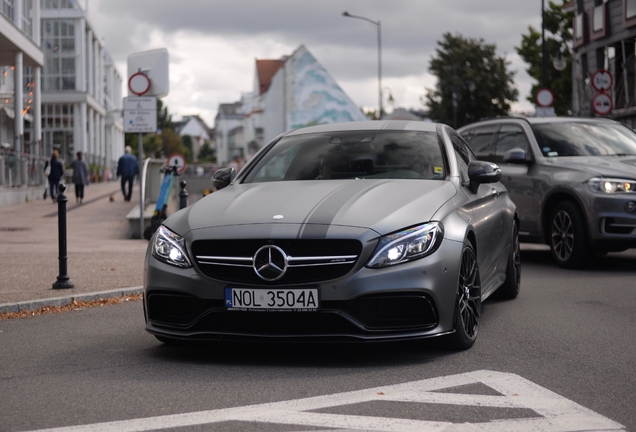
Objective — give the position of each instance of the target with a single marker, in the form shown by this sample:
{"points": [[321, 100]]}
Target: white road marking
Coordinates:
{"points": [[557, 413]]}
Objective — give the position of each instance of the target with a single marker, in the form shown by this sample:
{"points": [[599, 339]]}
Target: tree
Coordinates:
{"points": [[472, 82], [558, 25], [206, 153]]}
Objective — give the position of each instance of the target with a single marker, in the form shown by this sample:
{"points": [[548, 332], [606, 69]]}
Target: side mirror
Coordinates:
{"points": [[223, 177], [482, 172], [516, 156]]}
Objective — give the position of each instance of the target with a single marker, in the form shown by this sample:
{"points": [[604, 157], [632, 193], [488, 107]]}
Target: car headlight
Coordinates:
{"points": [[170, 248], [611, 185], [407, 245]]}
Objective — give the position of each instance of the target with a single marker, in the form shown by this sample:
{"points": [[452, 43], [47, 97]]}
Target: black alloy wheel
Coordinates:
{"points": [[568, 236], [468, 303], [511, 286]]}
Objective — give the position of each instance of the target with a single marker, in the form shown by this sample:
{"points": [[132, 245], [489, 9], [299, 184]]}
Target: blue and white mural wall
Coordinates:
{"points": [[312, 96]]}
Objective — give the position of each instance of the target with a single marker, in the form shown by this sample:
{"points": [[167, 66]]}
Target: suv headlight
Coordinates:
{"points": [[407, 245], [611, 185], [170, 248]]}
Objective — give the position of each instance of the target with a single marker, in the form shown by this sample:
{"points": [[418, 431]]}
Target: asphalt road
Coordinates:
{"points": [[569, 336]]}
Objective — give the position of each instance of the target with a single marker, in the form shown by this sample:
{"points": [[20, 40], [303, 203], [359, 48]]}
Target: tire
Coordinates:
{"points": [[467, 303], [568, 236], [511, 286]]}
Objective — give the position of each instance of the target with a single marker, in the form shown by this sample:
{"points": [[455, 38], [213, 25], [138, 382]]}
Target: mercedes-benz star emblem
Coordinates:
{"points": [[270, 263]]}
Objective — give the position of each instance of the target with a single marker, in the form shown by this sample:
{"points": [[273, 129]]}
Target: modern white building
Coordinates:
{"points": [[21, 61], [82, 89], [289, 93], [59, 90]]}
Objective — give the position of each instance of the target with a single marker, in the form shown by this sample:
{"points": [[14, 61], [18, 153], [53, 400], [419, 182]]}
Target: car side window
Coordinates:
{"points": [[463, 155], [482, 141], [510, 136]]}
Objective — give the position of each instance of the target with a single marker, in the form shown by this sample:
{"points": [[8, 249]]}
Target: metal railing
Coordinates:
{"points": [[21, 169]]}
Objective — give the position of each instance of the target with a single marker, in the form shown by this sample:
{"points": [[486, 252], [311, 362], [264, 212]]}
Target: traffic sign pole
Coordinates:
{"points": [[141, 185]]}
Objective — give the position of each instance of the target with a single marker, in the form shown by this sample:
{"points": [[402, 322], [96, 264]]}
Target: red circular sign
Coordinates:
{"points": [[139, 83], [544, 97], [602, 80], [177, 160], [602, 103]]}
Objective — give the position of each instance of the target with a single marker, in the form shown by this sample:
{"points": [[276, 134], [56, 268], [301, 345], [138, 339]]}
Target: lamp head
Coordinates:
{"points": [[345, 13]]}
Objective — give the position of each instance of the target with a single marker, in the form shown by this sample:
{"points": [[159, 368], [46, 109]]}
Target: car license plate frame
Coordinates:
{"points": [[273, 299]]}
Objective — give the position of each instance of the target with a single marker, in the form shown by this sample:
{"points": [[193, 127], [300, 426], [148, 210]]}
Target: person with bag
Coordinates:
{"points": [[80, 176], [55, 171]]}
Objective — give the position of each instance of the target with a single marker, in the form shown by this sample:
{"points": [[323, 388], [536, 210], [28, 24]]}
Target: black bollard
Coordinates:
{"points": [[183, 195], [63, 279]]}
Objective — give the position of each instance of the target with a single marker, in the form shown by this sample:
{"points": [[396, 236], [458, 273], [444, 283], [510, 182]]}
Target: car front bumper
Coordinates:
{"points": [[410, 300]]}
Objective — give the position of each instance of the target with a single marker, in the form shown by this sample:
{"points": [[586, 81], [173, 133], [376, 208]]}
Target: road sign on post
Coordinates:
{"points": [[140, 114], [602, 80], [602, 103]]}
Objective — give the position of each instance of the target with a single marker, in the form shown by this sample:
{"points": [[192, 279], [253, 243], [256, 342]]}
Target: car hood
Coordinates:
{"points": [[381, 205], [607, 166]]}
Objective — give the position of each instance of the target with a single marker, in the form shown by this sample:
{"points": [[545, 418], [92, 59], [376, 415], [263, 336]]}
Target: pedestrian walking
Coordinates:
{"points": [[127, 168], [55, 171], [80, 176]]}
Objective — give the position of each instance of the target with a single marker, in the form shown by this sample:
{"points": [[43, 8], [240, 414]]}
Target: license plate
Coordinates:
{"points": [[299, 300]]}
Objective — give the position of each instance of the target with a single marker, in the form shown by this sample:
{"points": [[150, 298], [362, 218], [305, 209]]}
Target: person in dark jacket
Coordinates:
{"points": [[80, 176], [56, 173], [127, 168]]}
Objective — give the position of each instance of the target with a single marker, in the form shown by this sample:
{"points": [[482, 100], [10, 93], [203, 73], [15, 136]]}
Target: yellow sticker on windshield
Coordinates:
{"points": [[438, 170]]}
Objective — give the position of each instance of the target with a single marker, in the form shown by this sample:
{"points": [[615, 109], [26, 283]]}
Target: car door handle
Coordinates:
{"points": [[495, 192]]}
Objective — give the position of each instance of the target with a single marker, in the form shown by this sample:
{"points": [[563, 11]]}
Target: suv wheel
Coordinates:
{"points": [[568, 236]]}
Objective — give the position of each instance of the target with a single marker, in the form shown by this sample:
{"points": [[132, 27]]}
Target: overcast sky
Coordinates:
{"points": [[212, 44]]}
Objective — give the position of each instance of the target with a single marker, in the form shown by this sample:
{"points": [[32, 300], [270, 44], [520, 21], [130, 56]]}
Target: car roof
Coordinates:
{"points": [[542, 120], [369, 125]]}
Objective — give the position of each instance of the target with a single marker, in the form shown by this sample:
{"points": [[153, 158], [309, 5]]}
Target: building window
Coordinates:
{"points": [[58, 116], [600, 27], [58, 42], [579, 30], [7, 8], [629, 13], [58, 4]]}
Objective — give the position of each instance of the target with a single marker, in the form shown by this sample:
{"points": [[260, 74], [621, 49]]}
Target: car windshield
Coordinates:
{"points": [[352, 155], [584, 139]]}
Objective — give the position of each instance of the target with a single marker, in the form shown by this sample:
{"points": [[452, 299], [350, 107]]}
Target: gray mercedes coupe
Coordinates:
{"points": [[362, 231]]}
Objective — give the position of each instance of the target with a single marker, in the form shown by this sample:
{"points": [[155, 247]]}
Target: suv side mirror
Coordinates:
{"points": [[223, 177], [516, 156], [482, 172]]}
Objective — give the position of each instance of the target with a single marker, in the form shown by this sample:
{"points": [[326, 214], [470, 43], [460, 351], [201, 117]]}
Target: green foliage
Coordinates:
{"points": [[206, 153], [558, 25], [153, 145], [470, 70]]}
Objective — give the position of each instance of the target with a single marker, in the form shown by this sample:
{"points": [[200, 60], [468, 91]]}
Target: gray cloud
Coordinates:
{"points": [[346, 46]]}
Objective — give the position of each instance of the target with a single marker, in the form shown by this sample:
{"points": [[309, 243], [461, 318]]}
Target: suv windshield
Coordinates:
{"points": [[584, 139], [352, 155]]}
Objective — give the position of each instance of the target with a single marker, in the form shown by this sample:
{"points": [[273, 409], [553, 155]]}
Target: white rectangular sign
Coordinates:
{"points": [[140, 121], [140, 103], [140, 114]]}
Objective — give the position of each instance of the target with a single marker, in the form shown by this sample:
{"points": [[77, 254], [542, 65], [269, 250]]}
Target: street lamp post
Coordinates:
{"points": [[379, 27]]}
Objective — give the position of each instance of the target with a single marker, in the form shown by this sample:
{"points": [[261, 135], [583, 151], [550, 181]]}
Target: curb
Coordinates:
{"points": [[63, 301]]}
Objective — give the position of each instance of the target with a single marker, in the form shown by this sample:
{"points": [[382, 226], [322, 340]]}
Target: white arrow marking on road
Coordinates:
{"points": [[555, 413]]}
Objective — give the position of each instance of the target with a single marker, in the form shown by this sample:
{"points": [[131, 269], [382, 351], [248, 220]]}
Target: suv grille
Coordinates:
{"points": [[308, 260]]}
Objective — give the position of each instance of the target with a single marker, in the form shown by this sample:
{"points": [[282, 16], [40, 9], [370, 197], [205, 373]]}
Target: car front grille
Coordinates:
{"points": [[309, 261], [364, 315]]}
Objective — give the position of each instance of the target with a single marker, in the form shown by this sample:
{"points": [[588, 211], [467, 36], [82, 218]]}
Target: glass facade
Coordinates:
{"points": [[58, 42], [58, 4]]}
